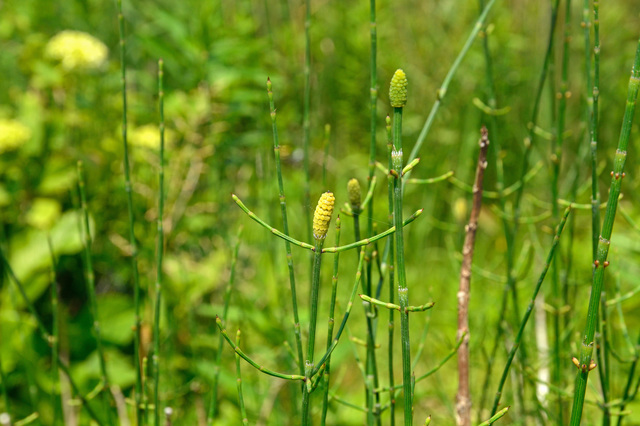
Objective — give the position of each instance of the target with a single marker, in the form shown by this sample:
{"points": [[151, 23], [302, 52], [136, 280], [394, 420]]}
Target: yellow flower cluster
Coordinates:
{"points": [[13, 134], [77, 50], [398, 89], [322, 215]]}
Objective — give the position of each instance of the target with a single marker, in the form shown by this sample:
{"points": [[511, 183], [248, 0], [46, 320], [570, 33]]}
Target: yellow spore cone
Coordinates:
{"points": [[322, 215], [398, 89]]}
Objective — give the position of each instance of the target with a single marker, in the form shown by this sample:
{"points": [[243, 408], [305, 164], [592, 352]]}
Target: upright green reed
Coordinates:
{"points": [[585, 362], [321, 219], [285, 227], [91, 290], [331, 323], [390, 192], [398, 98], [159, 249], [243, 411], [132, 237]]}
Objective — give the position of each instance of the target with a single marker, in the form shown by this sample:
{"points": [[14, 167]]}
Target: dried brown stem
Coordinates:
{"points": [[463, 398]]}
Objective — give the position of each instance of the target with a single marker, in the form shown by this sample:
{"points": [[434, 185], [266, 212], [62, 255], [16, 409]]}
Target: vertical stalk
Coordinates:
{"points": [[332, 305], [372, 368], [243, 411], [463, 398], [556, 159], [604, 242], [91, 290], [160, 250], [321, 219], [315, 287], [285, 228], [398, 97], [132, 236], [390, 191]]}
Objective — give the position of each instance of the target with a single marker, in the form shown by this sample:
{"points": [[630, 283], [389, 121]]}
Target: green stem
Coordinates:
{"points": [[523, 324], [250, 361], [91, 289], [160, 251], [403, 290], [332, 306], [285, 227], [390, 192], [604, 243], [132, 237], [313, 317]]}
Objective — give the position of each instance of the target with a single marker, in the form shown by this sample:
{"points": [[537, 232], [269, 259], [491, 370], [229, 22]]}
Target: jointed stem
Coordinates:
{"points": [[604, 243], [285, 227]]}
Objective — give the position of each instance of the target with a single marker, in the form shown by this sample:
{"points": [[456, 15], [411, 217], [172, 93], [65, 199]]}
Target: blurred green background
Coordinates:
{"points": [[217, 58]]}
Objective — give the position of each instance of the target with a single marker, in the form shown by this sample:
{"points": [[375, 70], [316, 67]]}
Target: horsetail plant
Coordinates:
{"points": [[390, 182], [321, 219], [584, 362], [285, 227], [331, 323], [132, 237], [243, 411], [91, 290], [160, 251], [398, 98]]}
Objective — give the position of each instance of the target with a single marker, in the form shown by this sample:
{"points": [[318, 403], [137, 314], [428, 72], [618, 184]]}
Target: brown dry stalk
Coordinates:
{"points": [[463, 398]]}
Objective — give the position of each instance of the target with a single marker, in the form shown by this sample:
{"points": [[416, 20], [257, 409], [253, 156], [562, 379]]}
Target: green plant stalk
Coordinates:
{"points": [[227, 297], [331, 323], [132, 236], [306, 124], [145, 389], [523, 324], [447, 80], [594, 127], [372, 368], [604, 243], [313, 317], [91, 289], [160, 252], [556, 160], [46, 336], [55, 338], [403, 290], [251, 362], [243, 411], [495, 417], [391, 271], [602, 355], [285, 227], [345, 317]]}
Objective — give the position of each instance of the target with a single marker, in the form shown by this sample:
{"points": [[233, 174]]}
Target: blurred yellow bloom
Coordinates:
{"points": [[77, 50], [148, 136], [13, 134]]}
